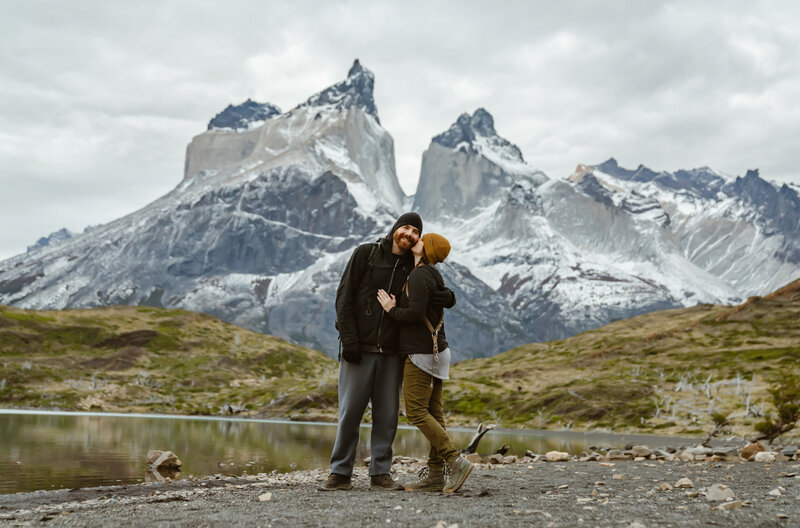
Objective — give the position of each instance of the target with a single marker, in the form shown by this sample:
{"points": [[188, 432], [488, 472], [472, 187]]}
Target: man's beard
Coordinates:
{"points": [[404, 242]]}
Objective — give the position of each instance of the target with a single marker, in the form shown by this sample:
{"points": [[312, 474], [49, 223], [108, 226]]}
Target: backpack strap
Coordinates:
{"points": [[435, 333]]}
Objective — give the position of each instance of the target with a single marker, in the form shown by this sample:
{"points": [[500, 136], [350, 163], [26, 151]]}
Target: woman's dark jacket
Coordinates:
{"points": [[412, 309]]}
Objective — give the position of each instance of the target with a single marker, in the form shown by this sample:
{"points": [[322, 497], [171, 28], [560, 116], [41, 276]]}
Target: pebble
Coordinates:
{"points": [[618, 476], [664, 487], [684, 483], [265, 497], [775, 493], [641, 451], [733, 505], [720, 492], [764, 456]]}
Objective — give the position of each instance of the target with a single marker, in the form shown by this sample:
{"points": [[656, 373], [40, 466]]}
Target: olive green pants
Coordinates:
{"points": [[423, 396]]}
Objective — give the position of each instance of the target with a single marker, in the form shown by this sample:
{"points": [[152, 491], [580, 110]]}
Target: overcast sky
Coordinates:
{"points": [[99, 99]]}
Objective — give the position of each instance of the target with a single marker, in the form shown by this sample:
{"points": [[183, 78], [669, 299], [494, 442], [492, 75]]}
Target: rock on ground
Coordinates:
{"points": [[720, 492]]}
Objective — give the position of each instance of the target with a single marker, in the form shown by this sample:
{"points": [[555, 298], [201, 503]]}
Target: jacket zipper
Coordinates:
{"points": [[380, 317]]}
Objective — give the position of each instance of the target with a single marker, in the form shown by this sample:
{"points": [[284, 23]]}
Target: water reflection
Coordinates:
{"points": [[68, 450]]}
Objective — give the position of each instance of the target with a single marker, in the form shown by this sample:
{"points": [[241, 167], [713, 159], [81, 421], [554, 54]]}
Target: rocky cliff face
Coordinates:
{"points": [[272, 204], [468, 167]]}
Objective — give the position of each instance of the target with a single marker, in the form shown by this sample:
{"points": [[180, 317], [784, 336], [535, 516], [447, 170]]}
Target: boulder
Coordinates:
{"points": [[495, 459], [725, 451], [162, 460], [749, 451], [699, 450], [719, 493], [658, 453], [475, 458], [640, 451], [764, 456], [556, 456], [789, 451]]}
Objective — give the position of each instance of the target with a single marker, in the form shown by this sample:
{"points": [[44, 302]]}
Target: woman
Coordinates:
{"points": [[427, 365]]}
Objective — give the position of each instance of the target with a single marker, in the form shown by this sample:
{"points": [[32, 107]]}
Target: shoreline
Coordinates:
{"points": [[678, 439], [521, 493]]}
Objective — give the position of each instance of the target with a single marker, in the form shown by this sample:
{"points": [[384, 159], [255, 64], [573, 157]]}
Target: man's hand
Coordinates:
{"points": [[443, 298], [351, 353], [387, 301]]}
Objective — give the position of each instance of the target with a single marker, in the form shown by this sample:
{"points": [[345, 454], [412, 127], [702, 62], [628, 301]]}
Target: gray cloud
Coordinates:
{"points": [[100, 99]]}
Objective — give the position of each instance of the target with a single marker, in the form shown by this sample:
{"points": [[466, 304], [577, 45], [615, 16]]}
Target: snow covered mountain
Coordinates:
{"points": [[608, 243], [257, 233], [272, 203]]}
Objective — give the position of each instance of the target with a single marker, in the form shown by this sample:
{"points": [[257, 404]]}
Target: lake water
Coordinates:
{"points": [[42, 450]]}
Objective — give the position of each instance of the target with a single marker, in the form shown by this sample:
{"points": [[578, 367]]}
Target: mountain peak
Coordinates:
{"points": [[467, 128], [612, 168], [243, 116], [356, 90], [356, 68]]}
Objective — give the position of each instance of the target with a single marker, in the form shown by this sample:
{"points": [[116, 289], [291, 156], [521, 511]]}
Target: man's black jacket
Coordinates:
{"points": [[359, 316]]}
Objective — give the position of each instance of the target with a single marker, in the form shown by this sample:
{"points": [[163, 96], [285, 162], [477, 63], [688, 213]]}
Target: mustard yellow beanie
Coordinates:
{"points": [[436, 247]]}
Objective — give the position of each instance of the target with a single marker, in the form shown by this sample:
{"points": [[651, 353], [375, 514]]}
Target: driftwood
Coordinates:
{"points": [[503, 449], [472, 447]]}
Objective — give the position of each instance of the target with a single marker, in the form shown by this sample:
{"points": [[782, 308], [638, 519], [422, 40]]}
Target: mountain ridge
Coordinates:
{"points": [[263, 222]]}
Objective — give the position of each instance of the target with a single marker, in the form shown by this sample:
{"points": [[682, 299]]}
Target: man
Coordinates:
{"points": [[370, 367]]}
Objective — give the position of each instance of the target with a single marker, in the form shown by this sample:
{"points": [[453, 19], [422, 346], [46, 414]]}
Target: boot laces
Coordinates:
{"points": [[423, 473]]}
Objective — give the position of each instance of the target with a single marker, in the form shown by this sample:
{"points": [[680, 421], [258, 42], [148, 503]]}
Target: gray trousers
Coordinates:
{"points": [[377, 377]]}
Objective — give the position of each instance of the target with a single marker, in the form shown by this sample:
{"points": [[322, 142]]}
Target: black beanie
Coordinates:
{"points": [[411, 219]]}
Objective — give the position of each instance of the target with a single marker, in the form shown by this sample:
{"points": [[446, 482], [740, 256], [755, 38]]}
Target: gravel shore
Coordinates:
{"points": [[613, 494]]}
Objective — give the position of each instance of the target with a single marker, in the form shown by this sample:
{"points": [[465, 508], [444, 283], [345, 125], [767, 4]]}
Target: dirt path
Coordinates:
{"points": [[522, 494]]}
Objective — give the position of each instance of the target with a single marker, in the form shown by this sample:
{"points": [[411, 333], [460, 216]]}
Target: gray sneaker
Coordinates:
{"points": [[430, 479], [337, 482], [384, 482], [459, 469]]}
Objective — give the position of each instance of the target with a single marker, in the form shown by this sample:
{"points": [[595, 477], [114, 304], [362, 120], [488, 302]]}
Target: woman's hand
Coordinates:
{"points": [[387, 301]]}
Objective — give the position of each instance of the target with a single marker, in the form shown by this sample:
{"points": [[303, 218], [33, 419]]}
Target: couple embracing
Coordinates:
{"points": [[389, 313]]}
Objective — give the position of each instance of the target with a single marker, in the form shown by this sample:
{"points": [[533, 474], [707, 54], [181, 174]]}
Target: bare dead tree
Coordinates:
{"points": [[472, 447]]}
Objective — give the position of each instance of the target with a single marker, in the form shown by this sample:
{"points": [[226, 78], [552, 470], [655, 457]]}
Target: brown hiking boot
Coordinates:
{"points": [[459, 469], [337, 482], [384, 482], [430, 479]]}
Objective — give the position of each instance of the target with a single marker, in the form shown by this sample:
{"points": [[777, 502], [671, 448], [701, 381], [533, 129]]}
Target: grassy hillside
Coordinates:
{"points": [[143, 359], [661, 372]]}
